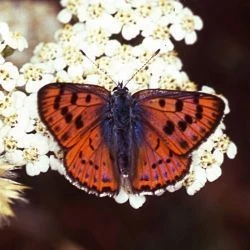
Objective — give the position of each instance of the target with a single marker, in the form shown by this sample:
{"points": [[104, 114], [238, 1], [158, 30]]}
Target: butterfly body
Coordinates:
{"points": [[118, 129], [141, 142]]}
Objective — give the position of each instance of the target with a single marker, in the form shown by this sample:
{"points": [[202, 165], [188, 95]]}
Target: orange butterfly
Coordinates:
{"points": [[141, 142]]}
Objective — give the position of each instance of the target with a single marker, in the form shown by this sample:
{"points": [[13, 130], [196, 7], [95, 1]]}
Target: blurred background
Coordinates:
{"points": [[61, 217]]}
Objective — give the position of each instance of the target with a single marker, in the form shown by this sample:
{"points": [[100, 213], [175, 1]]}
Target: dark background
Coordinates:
{"points": [[61, 217]]}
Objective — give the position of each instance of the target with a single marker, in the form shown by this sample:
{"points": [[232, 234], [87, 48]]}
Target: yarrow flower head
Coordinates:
{"points": [[103, 42], [10, 191], [10, 41]]}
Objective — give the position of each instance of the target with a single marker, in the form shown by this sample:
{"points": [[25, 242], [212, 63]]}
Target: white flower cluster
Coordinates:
{"points": [[23, 138], [120, 36]]}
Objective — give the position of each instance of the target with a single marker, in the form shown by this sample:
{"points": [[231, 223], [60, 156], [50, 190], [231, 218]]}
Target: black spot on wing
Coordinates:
{"points": [[198, 116], [88, 98], [68, 117], [196, 98], [199, 110], [90, 144], [162, 103], [65, 136], [57, 128], [157, 144], [194, 138], [183, 144], [169, 128], [64, 110], [79, 122], [188, 119], [179, 105], [74, 98], [56, 104], [182, 125]]}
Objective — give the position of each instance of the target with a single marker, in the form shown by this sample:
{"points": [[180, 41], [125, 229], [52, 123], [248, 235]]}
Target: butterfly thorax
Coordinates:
{"points": [[121, 108]]}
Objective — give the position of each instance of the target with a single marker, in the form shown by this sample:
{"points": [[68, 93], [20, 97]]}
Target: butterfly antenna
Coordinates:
{"points": [[143, 66], [100, 69]]}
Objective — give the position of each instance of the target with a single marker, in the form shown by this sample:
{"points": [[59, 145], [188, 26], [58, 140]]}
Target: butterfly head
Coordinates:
{"points": [[120, 89]]}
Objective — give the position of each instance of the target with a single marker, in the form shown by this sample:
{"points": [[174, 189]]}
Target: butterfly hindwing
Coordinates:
{"points": [[89, 164], [182, 119], [157, 166], [73, 114]]}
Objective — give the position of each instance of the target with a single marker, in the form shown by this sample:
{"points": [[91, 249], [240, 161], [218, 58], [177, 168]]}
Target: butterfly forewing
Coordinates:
{"points": [[70, 109], [73, 113], [182, 119]]}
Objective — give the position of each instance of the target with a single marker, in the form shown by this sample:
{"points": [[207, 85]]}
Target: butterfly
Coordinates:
{"points": [[141, 142]]}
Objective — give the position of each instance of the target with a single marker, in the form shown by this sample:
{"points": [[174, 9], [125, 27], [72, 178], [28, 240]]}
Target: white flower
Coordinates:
{"points": [[35, 153], [49, 55], [209, 161], [71, 35], [95, 42], [145, 15], [72, 57], [13, 39], [125, 18], [170, 9], [74, 74], [171, 60], [11, 103], [111, 47], [159, 39], [16, 41], [99, 14], [170, 79], [141, 80], [34, 76], [136, 201], [232, 150], [224, 145], [195, 180], [70, 10], [14, 141], [57, 165], [172, 188], [31, 105], [185, 25], [9, 76], [121, 72]]}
